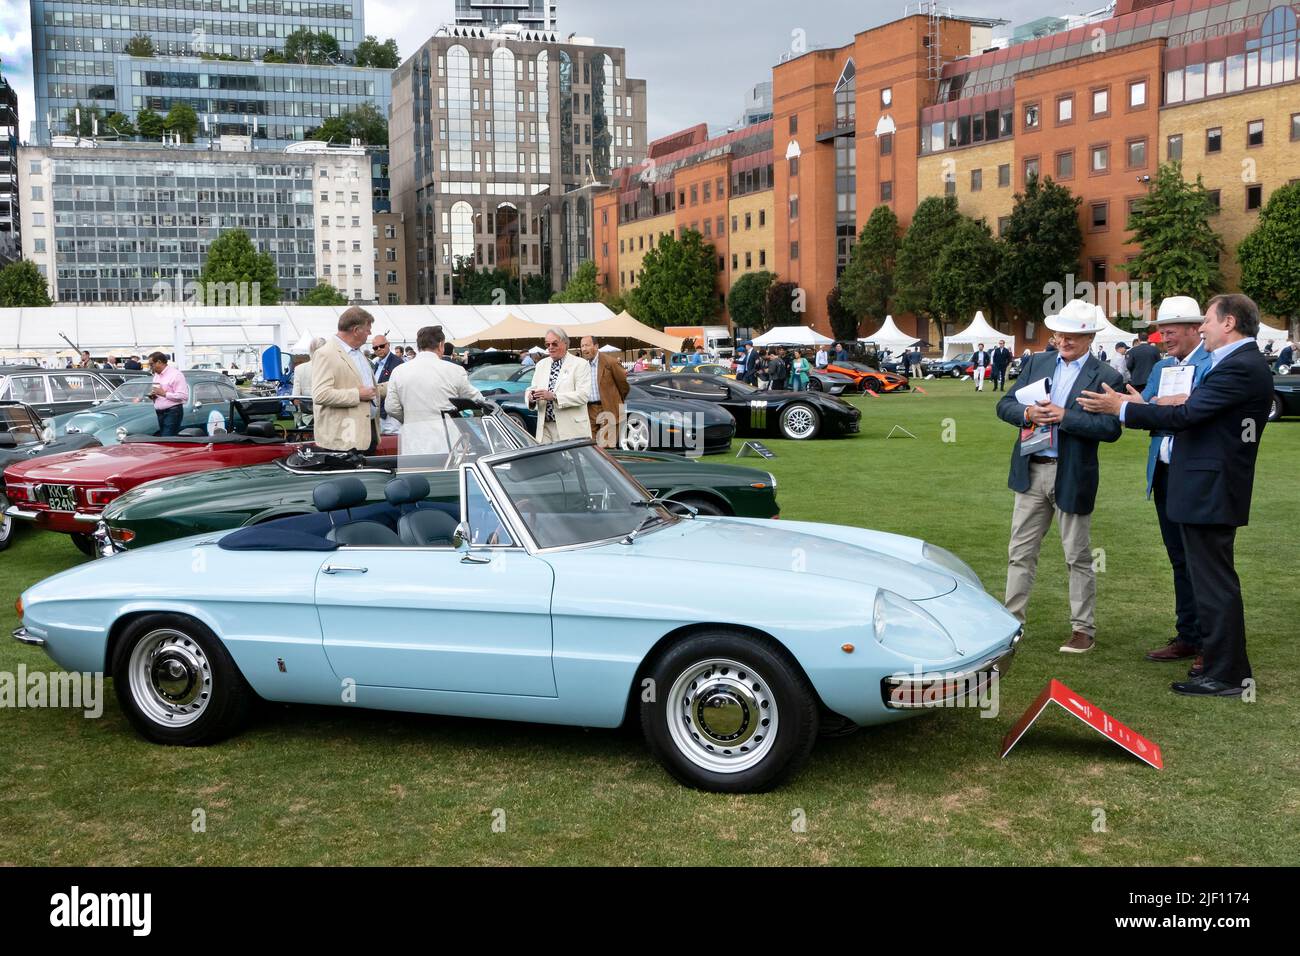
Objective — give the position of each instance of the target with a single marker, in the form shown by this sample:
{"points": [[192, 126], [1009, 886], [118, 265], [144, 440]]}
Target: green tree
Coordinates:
{"points": [[844, 322], [23, 286], [582, 286], [867, 284], [182, 120], [537, 289], [1178, 251], [272, 55], [1041, 245], [365, 123], [118, 123], [966, 272], [677, 283], [370, 52], [89, 115], [232, 258], [931, 228], [150, 124], [305, 46], [1270, 256], [748, 299], [323, 294], [139, 45], [784, 305]]}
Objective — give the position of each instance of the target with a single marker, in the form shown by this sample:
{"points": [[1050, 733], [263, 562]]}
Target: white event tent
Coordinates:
{"points": [[970, 337], [792, 335], [1111, 335], [1268, 334], [889, 336]]}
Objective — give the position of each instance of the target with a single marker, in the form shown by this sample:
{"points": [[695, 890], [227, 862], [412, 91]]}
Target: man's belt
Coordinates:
{"points": [[1043, 459]]}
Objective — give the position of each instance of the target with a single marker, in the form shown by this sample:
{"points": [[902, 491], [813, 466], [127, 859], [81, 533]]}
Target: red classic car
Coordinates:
{"points": [[67, 492]]}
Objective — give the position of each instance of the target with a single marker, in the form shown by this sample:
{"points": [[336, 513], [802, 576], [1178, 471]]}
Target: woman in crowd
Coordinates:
{"points": [[799, 373]]}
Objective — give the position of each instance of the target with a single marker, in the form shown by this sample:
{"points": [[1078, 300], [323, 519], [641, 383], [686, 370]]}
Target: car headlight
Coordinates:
{"points": [[903, 627], [121, 433], [71, 430], [950, 562]]}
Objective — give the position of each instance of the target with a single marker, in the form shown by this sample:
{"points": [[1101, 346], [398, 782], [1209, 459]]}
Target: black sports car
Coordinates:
{"points": [[793, 415], [1286, 396], [652, 424], [23, 436]]}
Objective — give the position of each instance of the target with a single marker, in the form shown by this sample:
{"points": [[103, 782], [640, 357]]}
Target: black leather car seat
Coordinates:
{"points": [[363, 533], [262, 430], [342, 495], [418, 527]]}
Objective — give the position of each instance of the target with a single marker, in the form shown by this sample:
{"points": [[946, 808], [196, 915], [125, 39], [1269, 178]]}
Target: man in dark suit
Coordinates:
{"points": [[1141, 359], [385, 361], [1001, 362], [1054, 468], [981, 359], [1285, 357], [1216, 433]]}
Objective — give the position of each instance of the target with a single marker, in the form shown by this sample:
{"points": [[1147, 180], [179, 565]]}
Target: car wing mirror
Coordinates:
{"points": [[460, 538]]}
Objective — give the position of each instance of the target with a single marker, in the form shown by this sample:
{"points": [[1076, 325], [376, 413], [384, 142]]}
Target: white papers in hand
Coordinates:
{"points": [[1034, 392], [1176, 380]]}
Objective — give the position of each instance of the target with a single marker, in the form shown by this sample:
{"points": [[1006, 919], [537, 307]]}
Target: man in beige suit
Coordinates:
{"points": [[420, 390], [560, 389], [344, 395]]}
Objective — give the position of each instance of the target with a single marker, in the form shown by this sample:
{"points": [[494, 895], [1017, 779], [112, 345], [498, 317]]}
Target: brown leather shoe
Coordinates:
{"points": [[1175, 650], [1198, 666], [1078, 643]]}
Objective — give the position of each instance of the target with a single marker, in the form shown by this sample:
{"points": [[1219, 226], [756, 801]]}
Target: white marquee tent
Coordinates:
{"points": [[1111, 335], [970, 337], [1268, 334], [792, 335], [889, 336]]}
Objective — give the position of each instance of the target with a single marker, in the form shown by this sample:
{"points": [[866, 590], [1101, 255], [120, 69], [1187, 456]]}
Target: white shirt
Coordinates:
{"points": [[1166, 452], [364, 371], [822, 360]]}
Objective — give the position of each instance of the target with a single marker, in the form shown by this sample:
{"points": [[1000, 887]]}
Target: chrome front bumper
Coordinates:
{"points": [[918, 691], [13, 511], [22, 637]]}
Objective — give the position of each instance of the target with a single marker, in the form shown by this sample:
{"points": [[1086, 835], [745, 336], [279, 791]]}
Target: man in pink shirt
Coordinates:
{"points": [[170, 392]]}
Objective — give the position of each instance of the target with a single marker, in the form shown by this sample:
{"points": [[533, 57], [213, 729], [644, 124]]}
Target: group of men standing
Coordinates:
{"points": [[1205, 405], [992, 365], [577, 396]]}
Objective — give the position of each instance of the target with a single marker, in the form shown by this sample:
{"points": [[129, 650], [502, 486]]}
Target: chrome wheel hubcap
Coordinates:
{"points": [[170, 678], [799, 422], [722, 716], [636, 435]]}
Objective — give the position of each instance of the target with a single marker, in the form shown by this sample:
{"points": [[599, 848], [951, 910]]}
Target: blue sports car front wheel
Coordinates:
{"points": [[728, 711]]}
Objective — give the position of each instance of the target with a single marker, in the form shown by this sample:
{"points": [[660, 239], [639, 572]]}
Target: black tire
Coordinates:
{"points": [[755, 681], [1274, 413], [955, 373], [795, 413], [85, 544], [814, 385], [702, 506], [209, 693], [6, 523]]}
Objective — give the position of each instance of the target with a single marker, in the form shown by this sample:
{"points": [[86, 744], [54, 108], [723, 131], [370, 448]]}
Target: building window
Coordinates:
{"points": [[735, 223], [708, 228], [1214, 140], [762, 218], [38, 219], [1004, 174], [1295, 127], [695, 195], [886, 96], [1174, 147], [38, 194], [1100, 215], [1137, 153], [887, 144], [1137, 94], [1098, 270], [1065, 164], [887, 190], [38, 246], [1100, 159], [794, 123], [950, 184], [1064, 110], [735, 262], [1031, 168], [976, 180], [749, 220], [1003, 223], [794, 165], [1031, 116], [794, 207], [1255, 133], [749, 260], [1101, 102], [35, 167], [762, 257], [1132, 210], [1254, 197], [794, 251], [1215, 198]]}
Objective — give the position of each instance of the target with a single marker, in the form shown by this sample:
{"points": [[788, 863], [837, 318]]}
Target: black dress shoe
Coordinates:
{"points": [[1205, 687]]}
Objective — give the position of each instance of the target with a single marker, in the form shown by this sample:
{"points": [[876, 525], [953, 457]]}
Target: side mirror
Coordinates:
{"points": [[47, 433], [198, 404], [460, 538]]}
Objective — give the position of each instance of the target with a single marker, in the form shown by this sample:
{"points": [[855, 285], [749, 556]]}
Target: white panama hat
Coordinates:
{"points": [[1078, 317], [1179, 310]]}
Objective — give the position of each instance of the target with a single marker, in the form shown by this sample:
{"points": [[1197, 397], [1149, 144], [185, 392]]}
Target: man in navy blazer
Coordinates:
{"points": [[1179, 319], [1211, 474], [1060, 477]]}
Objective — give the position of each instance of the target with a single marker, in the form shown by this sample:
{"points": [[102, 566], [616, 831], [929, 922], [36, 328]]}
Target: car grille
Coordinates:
{"points": [[716, 435], [57, 497]]}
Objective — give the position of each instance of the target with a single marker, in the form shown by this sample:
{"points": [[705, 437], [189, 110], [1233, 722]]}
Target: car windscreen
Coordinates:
{"points": [[15, 420], [577, 495], [447, 441], [135, 391], [494, 373]]}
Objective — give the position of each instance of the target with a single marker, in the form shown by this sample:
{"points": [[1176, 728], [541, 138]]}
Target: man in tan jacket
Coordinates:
{"points": [[559, 391], [609, 390], [344, 395]]}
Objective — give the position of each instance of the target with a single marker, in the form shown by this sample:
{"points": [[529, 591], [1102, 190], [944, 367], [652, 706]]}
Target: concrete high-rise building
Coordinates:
{"points": [[490, 14], [79, 58], [111, 222], [497, 141], [10, 216]]}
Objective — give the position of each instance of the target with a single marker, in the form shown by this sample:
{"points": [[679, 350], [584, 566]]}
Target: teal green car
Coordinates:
{"points": [[129, 410], [228, 498]]}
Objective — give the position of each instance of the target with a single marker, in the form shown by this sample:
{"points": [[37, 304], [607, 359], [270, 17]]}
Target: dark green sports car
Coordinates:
{"points": [[234, 497]]}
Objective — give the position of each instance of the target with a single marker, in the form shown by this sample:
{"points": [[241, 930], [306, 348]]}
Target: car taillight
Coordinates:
{"points": [[98, 497], [19, 492]]}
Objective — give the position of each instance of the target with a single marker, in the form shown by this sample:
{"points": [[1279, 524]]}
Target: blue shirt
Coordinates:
{"points": [[1223, 351], [1063, 380], [364, 371]]}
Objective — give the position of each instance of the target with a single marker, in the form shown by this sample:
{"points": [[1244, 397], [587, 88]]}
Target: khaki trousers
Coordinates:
{"points": [[1030, 519]]}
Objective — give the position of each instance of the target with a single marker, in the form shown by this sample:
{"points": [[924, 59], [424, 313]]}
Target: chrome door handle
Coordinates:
{"points": [[342, 569], [474, 559]]}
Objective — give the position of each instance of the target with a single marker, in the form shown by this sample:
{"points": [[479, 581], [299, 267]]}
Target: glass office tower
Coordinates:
{"points": [[531, 14]]}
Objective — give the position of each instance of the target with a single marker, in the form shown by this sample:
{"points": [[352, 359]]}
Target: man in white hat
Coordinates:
{"points": [[1179, 319], [1054, 467]]}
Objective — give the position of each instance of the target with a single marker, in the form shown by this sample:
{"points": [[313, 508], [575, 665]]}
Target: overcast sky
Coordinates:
{"points": [[698, 57]]}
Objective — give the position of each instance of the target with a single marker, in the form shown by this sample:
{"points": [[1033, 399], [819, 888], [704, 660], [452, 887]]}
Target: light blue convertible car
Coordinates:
{"points": [[550, 587]]}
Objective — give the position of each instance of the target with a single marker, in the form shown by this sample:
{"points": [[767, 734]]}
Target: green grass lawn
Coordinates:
{"points": [[309, 785]]}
